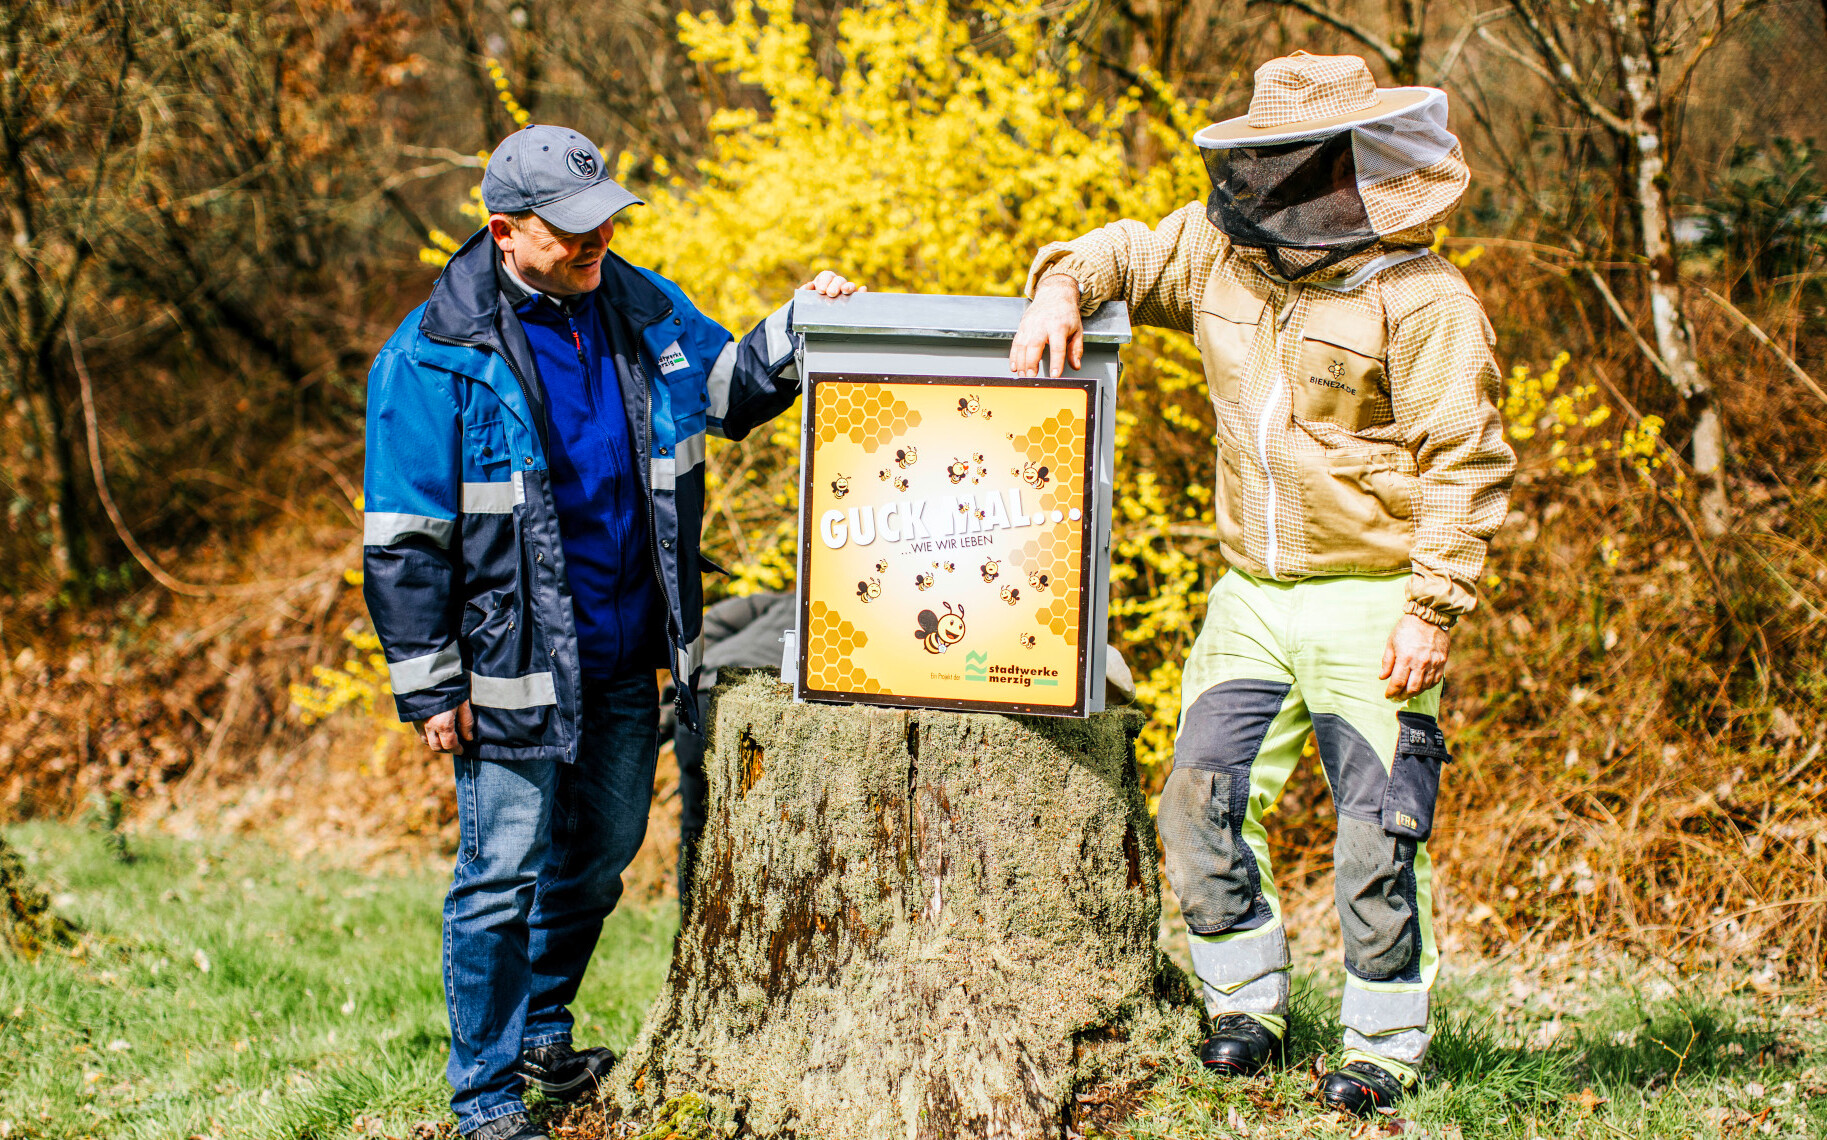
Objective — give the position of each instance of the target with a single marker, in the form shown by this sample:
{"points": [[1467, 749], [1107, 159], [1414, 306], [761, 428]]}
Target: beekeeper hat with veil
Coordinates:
{"points": [[1326, 165]]}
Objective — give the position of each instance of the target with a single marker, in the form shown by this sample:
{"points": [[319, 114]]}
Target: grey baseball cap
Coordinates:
{"points": [[556, 173]]}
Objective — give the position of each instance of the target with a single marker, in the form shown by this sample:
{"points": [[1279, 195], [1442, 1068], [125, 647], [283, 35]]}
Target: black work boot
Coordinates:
{"points": [[564, 1073], [1240, 1046], [1361, 1088], [514, 1126]]}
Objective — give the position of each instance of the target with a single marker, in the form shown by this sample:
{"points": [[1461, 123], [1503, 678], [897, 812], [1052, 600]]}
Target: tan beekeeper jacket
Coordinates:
{"points": [[1357, 424]]}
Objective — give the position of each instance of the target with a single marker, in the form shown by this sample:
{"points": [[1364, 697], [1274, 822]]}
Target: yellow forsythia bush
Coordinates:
{"points": [[953, 142]]}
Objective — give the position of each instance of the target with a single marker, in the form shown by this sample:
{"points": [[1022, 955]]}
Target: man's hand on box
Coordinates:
{"points": [[1051, 322], [831, 284], [1415, 658], [447, 731]]}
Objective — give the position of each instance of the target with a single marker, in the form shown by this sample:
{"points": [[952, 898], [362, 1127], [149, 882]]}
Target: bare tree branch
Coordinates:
{"points": [[1564, 76], [1356, 31]]}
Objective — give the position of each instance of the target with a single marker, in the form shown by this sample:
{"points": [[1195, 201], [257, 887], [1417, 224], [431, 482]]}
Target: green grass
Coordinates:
{"points": [[321, 1016], [1629, 1069], [322, 1000]]}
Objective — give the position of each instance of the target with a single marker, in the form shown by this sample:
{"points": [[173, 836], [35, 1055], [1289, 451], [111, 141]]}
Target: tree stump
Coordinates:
{"points": [[914, 924]]}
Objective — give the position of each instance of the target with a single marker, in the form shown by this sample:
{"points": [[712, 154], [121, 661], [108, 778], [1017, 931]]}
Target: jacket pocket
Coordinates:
{"points": [[1414, 777], [511, 682], [486, 455], [1358, 512], [1228, 496], [1340, 376], [1224, 330]]}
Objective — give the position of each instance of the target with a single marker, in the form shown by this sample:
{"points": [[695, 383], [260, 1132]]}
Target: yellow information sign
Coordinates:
{"points": [[945, 529]]}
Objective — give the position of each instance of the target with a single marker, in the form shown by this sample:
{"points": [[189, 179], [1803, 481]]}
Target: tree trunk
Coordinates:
{"points": [[914, 924], [1634, 23]]}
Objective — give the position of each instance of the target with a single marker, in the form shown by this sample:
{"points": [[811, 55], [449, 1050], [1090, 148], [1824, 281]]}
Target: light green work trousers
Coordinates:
{"points": [[1274, 662]]}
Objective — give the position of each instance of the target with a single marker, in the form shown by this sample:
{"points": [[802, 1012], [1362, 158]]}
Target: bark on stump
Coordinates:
{"points": [[913, 924]]}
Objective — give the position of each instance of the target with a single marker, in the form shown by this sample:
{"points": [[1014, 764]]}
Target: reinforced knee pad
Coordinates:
{"points": [[1211, 868], [1206, 801], [1374, 874]]}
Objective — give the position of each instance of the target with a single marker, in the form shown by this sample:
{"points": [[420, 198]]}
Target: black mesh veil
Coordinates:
{"points": [[1293, 195]]}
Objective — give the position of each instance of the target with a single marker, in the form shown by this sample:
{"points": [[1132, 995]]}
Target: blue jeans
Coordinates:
{"points": [[544, 845]]}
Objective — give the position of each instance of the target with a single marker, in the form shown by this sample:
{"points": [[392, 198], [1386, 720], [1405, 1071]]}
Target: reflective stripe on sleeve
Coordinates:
{"points": [[490, 498], [526, 692], [416, 673], [780, 341], [718, 383], [384, 528]]}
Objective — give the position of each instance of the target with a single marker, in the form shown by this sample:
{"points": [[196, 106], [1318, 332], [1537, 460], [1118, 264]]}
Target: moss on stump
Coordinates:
{"points": [[913, 924]]}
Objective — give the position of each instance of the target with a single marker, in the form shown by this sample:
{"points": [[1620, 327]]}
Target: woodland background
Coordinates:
{"points": [[216, 210]]}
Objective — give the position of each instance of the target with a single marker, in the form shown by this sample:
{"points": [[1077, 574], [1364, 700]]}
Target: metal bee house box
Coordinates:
{"points": [[954, 535]]}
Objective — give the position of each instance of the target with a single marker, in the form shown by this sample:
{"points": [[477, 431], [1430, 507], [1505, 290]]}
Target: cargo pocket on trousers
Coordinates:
{"points": [[1205, 853], [1414, 777]]}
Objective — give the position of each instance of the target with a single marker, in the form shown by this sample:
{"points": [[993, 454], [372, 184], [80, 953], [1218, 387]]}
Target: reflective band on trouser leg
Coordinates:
{"points": [[1245, 972], [1388, 1024], [1242, 723]]}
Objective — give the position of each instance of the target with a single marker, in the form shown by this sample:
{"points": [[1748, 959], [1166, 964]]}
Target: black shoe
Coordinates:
{"points": [[514, 1126], [564, 1073], [1361, 1088], [1240, 1046]]}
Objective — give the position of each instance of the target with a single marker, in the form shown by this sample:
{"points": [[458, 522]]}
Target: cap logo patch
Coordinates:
{"points": [[581, 162]]}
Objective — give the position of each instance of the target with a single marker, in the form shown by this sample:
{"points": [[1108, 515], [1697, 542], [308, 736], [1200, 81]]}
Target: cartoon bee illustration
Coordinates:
{"points": [[1034, 476], [990, 570], [1027, 641], [939, 632], [840, 486], [977, 459], [906, 457], [882, 474], [900, 482], [924, 581], [1038, 580], [1011, 595], [881, 566], [964, 508], [978, 514], [957, 470], [949, 568], [869, 589], [968, 405]]}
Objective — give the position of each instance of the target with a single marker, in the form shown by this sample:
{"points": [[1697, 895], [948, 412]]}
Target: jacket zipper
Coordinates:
{"points": [[653, 526], [1263, 423]]}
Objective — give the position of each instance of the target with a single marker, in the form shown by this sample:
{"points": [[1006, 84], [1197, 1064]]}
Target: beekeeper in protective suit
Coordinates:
{"points": [[1361, 473]]}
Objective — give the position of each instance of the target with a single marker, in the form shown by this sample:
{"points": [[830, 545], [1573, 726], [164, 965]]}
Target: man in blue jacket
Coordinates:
{"points": [[534, 487]]}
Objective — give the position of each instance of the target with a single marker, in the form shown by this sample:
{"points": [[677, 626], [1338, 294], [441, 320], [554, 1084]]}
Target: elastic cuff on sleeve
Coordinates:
{"points": [[1430, 615]]}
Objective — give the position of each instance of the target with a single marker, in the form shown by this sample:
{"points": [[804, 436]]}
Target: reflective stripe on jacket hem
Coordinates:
{"points": [[686, 456], [526, 692], [492, 498]]}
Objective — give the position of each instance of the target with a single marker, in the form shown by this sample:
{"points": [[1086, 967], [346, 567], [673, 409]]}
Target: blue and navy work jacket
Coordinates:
{"points": [[464, 573]]}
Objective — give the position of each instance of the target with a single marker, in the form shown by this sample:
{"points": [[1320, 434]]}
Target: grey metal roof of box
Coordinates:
{"points": [[938, 315]]}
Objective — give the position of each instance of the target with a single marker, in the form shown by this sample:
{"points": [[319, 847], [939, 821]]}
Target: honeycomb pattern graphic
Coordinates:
{"points": [[1050, 552], [1058, 443], [1061, 616], [868, 414], [832, 643]]}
